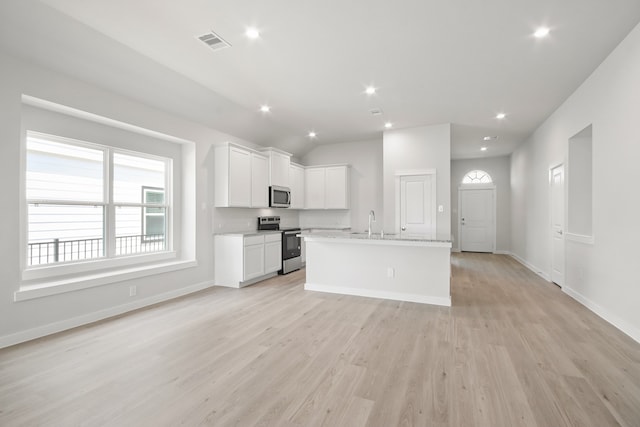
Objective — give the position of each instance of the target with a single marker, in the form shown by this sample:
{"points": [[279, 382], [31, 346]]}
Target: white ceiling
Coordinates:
{"points": [[457, 61]]}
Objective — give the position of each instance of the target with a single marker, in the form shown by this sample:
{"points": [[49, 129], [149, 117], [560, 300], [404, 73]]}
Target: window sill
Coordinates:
{"points": [[49, 288]]}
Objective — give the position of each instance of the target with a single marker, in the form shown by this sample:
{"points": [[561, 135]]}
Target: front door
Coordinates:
{"points": [[477, 213], [557, 225], [417, 205]]}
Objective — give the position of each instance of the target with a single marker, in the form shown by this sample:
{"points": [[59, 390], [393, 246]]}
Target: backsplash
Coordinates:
{"points": [[325, 219], [227, 220]]}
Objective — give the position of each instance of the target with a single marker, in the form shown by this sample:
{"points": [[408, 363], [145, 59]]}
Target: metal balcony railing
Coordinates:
{"points": [[58, 250]]}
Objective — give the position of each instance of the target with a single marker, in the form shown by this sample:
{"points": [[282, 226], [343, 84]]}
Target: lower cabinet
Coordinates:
{"points": [[272, 255], [243, 260]]}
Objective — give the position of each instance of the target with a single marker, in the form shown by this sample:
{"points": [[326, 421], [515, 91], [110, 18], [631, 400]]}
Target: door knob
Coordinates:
{"points": [[404, 228]]}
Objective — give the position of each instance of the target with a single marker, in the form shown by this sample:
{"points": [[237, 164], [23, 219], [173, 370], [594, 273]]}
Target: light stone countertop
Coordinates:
{"points": [[387, 239], [249, 233]]}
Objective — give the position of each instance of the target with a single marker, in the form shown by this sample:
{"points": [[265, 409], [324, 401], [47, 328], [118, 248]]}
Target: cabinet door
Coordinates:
{"points": [[314, 188], [280, 169], [239, 177], [259, 181], [253, 265], [296, 179], [272, 256], [337, 187]]}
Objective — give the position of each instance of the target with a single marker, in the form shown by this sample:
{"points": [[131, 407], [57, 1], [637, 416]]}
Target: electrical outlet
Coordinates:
{"points": [[133, 291]]}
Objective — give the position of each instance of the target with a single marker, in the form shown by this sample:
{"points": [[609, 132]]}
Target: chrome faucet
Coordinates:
{"points": [[372, 216]]}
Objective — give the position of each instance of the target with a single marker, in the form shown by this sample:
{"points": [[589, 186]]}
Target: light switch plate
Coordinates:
{"points": [[440, 208]]}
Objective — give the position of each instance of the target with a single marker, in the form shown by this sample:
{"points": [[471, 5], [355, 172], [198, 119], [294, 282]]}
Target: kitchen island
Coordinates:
{"points": [[391, 267]]}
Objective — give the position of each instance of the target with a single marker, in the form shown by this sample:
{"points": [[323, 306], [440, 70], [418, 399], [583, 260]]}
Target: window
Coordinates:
{"points": [[477, 177], [88, 201]]}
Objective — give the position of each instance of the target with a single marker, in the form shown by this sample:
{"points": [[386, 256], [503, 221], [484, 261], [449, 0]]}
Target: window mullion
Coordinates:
{"points": [[110, 214]]}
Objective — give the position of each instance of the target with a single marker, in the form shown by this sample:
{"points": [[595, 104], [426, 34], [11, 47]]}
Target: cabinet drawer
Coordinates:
{"points": [[253, 240], [276, 237]]}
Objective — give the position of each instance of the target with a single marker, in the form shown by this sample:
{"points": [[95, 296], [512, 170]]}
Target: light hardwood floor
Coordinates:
{"points": [[512, 351]]}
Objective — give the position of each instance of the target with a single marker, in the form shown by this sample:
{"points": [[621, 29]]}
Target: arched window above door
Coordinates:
{"points": [[477, 177]]}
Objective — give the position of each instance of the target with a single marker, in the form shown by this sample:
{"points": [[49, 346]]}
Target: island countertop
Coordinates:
{"points": [[377, 239]]}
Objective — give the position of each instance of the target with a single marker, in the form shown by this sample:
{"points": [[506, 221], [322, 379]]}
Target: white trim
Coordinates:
{"points": [[456, 250], [531, 267], [614, 320], [422, 299], [579, 238], [415, 172], [502, 252], [89, 281], [48, 271], [73, 112], [466, 187], [74, 322]]}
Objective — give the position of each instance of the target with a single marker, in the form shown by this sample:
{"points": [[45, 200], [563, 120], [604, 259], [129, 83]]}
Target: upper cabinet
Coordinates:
{"points": [[241, 177], [327, 187], [259, 179], [296, 181], [336, 187], [279, 162]]}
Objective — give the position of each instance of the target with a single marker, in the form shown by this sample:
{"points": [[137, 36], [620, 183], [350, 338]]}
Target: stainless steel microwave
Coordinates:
{"points": [[279, 197]]}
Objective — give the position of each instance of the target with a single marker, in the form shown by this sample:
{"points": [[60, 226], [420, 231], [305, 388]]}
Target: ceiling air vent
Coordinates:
{"points": [[376, 111], [214, 41]]}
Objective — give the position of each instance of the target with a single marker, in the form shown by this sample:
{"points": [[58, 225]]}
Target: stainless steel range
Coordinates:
{"points": [[291, 243]]}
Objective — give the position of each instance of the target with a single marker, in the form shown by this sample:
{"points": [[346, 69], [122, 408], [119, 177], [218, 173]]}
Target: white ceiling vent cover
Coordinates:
{"points": [[214, 41]]}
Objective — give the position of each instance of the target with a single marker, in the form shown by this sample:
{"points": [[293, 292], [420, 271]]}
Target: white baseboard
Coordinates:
{"points": [[74, 322], [396, 296], [531, 267], [619, 323], [455, 250], [503, 253]]}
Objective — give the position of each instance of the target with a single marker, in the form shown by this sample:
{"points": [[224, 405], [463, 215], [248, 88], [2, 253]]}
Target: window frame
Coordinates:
{"points": [[487, 174], [109, 258]]}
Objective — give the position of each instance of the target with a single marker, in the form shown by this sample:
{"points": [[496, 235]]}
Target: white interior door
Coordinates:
{"points": [[557, 225], [477, 220], [417, 205]]}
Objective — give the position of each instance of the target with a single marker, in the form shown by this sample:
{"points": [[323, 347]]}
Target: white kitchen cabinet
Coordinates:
{"points": [[272, 253], [327, 187], [242, 260], [259, 181], [314, 188], [279, 162], [253, 261], [296, 180], [337, 187], [241, 177]]}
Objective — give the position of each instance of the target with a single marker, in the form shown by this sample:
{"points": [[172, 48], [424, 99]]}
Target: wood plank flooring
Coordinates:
{"points": [[512, 351]]}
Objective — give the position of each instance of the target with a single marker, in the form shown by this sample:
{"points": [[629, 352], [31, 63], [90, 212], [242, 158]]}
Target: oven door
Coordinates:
{"points": [[279, 197], [290, 244]]}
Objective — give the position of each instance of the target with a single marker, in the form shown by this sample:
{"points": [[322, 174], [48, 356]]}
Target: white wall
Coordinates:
{"points": [[603, 275], [426, 147], [27, 319], [499, 169], [365, 158]]}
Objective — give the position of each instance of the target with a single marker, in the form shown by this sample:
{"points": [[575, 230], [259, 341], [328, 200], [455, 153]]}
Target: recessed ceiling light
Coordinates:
{"points": [[483, 148], [252, 33], [370, 90], [541, 32], [501, 116], [388, 125], [265, 108], [489, 138], [312, 134]]}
